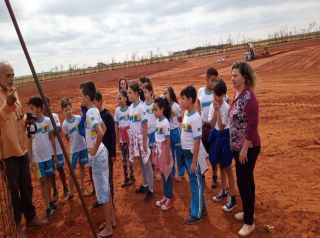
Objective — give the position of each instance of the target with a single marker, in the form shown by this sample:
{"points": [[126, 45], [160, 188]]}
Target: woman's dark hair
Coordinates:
{"points": [[125, 94], [149, 87], [162, 102], [144, 80], [135, 88], [123, 79], [172, 94], [247, 72], [220, 88]]}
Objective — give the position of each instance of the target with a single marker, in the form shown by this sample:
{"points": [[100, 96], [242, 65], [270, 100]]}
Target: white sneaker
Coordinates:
{"points": [[239, 216], [247, 229]]}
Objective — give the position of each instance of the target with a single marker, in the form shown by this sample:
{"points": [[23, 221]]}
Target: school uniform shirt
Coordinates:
{"points": [[70, 128], [57, 121], [175, 114], [93, 119], [109, 138], [121, 117], [41, 145], [224, 111], [137, 115], [162, 129], [205, 98], [150, 116], [191, 130]]}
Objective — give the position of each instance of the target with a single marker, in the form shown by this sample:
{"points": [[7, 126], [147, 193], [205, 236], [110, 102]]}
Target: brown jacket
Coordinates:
{"points": [[13, 141]]}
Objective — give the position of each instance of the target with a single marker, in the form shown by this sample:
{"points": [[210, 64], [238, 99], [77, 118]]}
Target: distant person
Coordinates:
{"points": [[244, 139], [162, 154], [219, 140], [60, 163], [190, 141], [98, 156], [143, 80], [13, 148], [43, 146], [78, 147], [122, 123], [123, 85], [175, 139], [138, 148], [205, 98]]}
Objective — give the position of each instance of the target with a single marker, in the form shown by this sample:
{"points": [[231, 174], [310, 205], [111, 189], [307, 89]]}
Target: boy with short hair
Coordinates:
{"points": [[98, 155], [41, 144], [190, 142], [78, 147]]}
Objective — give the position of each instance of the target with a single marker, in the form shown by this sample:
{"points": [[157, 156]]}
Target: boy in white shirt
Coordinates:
{"points": [[190, 141], [78, 147], [98, 156], [41, 147], [219, 139]]}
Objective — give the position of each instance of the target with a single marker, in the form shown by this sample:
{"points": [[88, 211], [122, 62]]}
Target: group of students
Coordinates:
{"points": [[147, 129]]}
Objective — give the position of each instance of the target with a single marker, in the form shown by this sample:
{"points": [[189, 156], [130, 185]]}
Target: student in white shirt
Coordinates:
{"points": [[98, 156], [205, 98], [42, 146], [190, 140]]}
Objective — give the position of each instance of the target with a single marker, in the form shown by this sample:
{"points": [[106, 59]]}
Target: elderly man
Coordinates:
{"points": [[13, 150]]}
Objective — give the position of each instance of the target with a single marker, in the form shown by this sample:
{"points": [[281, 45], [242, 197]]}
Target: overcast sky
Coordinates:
{"points": [[63, 32]]}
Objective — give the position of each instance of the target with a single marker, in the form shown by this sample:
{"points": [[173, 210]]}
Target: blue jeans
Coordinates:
{"points": [[167, 186], [176, 151], [197, 203]]}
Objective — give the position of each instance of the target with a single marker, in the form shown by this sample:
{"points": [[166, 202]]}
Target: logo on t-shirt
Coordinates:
{"points": [[187, 127], [159, 130]]}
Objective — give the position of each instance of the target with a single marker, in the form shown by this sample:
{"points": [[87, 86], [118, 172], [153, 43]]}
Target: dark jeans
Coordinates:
{"points": [[111, 175], [20, 186], [245, 181], [167, 185]]}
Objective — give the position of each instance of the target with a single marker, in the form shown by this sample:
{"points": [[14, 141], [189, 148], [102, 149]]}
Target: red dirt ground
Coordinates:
{"points": [[286, 174]]}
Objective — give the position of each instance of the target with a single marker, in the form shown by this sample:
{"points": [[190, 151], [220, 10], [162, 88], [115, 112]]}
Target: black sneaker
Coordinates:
{"points": [[230, 205], [125, 183], [190, 220], [142, 189], [53, 206], [48, 215], [221, 195], [149, 196], [96, 204], [214, 181]]}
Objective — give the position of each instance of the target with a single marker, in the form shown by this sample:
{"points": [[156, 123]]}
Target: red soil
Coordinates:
{"points": [[286, 174]]}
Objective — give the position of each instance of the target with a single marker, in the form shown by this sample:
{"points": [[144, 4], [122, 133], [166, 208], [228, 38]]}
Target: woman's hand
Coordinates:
{"points": [[243, 158]]}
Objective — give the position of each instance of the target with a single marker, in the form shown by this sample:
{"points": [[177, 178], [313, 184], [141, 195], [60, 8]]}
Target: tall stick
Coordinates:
{"points": [[35, 76]]}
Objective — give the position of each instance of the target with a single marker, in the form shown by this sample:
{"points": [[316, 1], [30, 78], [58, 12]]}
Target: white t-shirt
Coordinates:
{"points": [[162, 129], [57, 121], [137, 115], [70, 128], [41, 145], [121, 117], [224, 110], [175, 114], [191, 130], [92, 121], [150, 116], [205, 99]]}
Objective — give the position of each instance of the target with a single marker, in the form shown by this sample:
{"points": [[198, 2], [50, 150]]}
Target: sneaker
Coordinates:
{"points": [[214, 181], [161, 202], [142, 189], [55, 195], [149, 196], [53, 206], [168, 204], [48, 215], [230, 205], [190, 220], [221, 195], [67, 199], [125, 182], [239, 216], [96, 204], [247, 230]]}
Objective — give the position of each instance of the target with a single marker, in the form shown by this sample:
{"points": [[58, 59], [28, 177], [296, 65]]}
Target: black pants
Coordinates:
{"points": [[111, 175], [20, 186], [245, 181]]}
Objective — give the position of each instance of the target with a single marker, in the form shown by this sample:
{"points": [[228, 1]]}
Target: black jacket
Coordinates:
{"points": [[109, 138]]}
